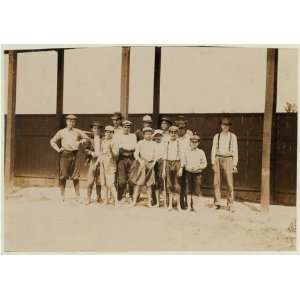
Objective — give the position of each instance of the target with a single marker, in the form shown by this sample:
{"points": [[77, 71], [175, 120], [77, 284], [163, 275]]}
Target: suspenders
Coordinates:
{"points": [[229, 145]]}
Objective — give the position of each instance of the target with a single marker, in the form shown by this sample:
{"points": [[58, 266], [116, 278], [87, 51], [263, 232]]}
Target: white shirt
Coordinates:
{"points": [[159, 150], [145, 150], [194, 160], [173, 150], [126, 141], [226, 146], [97, 141]]}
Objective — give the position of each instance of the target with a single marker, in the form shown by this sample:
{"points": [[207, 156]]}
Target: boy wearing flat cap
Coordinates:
{"points": [[224, 159], [92, 153], [194, 162], [70, 139], [147, 122], [165, 124], [126, 143], [173, 168], [107, 162], [142, 172]]}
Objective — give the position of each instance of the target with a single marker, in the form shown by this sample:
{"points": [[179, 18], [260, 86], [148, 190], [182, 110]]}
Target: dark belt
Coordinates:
{"points": [[224, 156], [173, 160]]}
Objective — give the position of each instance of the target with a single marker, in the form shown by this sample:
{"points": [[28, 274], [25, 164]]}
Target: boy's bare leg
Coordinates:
{"points": [[157, 196], [149, 195], [114, 194], [104, 192], [177, 200], [136, 193], [189, 202], [170, 198]]}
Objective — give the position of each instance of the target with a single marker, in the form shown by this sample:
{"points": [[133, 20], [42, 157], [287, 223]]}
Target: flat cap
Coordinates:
{"points": [[145, 129], [225, 121], [147, 119], [195, 138], [158, 132], [109, 128], [71, 117], [117, 115], [96, 123], [173, 128], [126, 123], [165, 118]]}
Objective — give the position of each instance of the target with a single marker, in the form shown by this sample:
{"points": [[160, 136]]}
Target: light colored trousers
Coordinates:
{"points": [[223, 165]]}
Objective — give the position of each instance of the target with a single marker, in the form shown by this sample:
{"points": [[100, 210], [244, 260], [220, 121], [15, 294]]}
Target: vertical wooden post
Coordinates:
{"points": [[269, 118], [60, 86], [124, 101], [156, 88], [10, 121]]}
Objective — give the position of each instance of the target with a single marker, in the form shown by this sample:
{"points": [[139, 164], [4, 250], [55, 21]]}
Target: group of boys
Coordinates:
{"points": [[166, 160]]}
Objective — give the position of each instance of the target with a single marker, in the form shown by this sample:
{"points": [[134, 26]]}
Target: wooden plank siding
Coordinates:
{"points": [[34, 158]]}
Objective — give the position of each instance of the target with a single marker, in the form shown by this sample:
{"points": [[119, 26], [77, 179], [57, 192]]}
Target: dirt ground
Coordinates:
{"points": [[36, 220]]}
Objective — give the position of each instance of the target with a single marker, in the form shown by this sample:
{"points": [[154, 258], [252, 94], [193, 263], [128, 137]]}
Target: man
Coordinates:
{"points": [[126, 143], [117, 119], [173, 168], [70, 139], [107, 163], [92, 153], [194, 162], [224, 159], [147, 122], [165, 124]]}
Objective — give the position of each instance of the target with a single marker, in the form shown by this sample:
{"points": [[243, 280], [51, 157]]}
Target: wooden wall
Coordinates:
{"points": [[36, 159]]}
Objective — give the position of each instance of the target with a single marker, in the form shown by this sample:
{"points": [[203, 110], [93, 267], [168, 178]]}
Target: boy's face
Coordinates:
{"points": [[95, 130], [108, 134], [173, 134], [157, 138], [181, 131], [164, 125], [70, 123], [117, 122], [194, 144], [225, 127], [126, 129], [147, 135]]}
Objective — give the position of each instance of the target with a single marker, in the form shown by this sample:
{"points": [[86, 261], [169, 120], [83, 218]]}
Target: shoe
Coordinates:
{"points": [[217, 206]]}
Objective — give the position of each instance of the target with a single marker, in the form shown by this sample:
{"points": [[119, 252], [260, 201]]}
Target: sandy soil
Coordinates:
{"points": [[36, 220]]}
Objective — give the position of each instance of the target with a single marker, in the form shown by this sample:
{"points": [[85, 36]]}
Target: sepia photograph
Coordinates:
{"points": [[150, 148]]}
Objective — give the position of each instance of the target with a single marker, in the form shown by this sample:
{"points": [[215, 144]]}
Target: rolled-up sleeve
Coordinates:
{"points": [[214, 149], [235, 150]]}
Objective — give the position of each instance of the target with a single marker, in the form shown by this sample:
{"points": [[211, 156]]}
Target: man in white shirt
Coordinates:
{"points": [[117, 119], [173, 168], [165, 124], [224, 158], [69, 139], [126, 143], [194, 162]]}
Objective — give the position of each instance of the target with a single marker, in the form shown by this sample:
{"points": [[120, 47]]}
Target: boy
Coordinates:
{"points": [[165, 124], [117, 119], [194, 162], [126, 143], [159, 149], [70, 139], [143, 172], [224, 158], [107, 163], [173, 168], [92, 153], [147, 122]]}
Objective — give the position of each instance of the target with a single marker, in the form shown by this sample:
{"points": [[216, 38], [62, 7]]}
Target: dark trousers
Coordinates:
{"points": [[123, 169]]}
